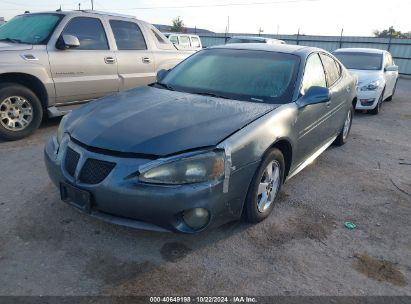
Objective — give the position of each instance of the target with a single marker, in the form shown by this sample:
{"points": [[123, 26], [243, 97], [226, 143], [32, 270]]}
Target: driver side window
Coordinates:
{"points": [[314, 74], [89, 31]]}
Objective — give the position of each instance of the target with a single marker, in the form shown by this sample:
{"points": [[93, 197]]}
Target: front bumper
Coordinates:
{"points": [[121, 199], [367, 100]]}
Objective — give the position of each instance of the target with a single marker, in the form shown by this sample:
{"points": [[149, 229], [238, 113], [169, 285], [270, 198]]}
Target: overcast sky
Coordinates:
{"points": [[316, 17]]}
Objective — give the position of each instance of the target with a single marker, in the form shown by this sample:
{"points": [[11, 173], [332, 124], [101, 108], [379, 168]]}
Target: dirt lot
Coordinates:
{"points": [[49, 248]]}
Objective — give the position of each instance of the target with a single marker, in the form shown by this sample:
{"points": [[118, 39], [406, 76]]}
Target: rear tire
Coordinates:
{"points": [[346, 128], [265, 187], [20, 111]]}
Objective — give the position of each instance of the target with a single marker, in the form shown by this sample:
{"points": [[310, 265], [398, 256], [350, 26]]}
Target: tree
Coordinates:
{"points": [[178, 25], [391, 32]]}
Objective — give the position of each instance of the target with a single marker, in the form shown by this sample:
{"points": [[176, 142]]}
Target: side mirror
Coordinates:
{"points": [[161, 74], [67, 42], [391, 68], [314, 95]]}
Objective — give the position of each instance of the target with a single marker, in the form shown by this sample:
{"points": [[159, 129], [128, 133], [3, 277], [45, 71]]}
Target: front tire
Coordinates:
{"points": [[264, 187], [393, 92], [20, 111], [345, 131], [377, 108]]}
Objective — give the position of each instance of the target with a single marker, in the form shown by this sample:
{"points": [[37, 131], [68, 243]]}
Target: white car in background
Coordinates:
{"points": [[187, 42], [377, 75], [251, 39]]}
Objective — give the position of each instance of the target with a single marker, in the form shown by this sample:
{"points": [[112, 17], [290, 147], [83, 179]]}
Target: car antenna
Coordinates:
{"points": [[58, 10]]}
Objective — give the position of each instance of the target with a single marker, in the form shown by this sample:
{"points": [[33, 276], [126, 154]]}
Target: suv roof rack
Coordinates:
{"points": [[108, 14]]}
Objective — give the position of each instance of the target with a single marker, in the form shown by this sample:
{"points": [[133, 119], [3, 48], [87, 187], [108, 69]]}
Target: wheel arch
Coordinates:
{"points": [[29, 81], [286, 148]]}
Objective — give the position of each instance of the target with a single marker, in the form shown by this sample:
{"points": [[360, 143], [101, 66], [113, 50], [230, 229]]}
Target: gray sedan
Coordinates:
{"points": [[211, 141]]}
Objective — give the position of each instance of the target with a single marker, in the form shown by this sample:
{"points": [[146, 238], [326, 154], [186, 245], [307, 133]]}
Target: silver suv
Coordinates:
{"points": [[51, 62]]}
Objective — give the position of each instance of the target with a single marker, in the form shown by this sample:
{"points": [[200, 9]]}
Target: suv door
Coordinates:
{"points": [[88, 71], [135, 62], [311, 122], [339, 91]]}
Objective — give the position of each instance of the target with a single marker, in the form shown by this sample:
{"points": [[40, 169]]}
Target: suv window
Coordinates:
{"points": [[89, 31], [195, 42], [331, 68], [184, 40], [157, 35], [314, 74], [128, 35], [174, 39]]}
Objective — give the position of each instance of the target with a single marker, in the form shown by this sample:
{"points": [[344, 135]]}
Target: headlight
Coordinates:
{"points": [[185, 170], [372, 86], [61, 129]]}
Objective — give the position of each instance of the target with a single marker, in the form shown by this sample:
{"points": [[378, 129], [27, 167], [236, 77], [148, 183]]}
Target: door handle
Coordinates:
{"points": [[109, 60], [146, 60]]}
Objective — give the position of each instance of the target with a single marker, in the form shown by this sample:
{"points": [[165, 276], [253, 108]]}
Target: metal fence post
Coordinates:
{"points": [[389, 42], [341, 38], [298, 36]]}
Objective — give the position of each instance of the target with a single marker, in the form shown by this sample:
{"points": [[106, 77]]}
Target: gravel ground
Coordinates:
{"points": [[49, 248]]}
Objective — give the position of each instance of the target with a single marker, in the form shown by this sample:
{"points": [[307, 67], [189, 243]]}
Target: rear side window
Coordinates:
{"points": [[195, 42], [314, 74], [184, 40], [332, 69], [89, 31], [128, 35]]}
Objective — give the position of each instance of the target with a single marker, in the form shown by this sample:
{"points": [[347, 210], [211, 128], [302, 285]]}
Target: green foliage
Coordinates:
{"points": [[391, 32], [178, 25]]}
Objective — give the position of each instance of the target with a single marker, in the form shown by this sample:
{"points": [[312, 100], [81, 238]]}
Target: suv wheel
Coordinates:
{"points": [[20, 111], [265, 187]]}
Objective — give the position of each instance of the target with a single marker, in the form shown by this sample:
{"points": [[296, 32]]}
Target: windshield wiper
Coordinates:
{"points": [[165, 86], [11, 40], [210, 94]]}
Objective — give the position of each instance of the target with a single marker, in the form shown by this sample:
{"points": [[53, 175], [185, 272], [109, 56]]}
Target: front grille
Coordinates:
{"points": [[71, 161], [95, 171]]}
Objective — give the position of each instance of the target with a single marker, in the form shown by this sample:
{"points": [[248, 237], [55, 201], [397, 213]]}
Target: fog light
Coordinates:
{"points": [[196, 218]]}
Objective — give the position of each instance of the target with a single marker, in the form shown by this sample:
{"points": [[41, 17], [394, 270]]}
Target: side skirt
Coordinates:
{"points": [[310, 159]]}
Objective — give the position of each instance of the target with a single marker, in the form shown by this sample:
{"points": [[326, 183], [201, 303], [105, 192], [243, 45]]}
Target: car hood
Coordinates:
{"points": [[365, 77], [160, 122], [5, 46]]}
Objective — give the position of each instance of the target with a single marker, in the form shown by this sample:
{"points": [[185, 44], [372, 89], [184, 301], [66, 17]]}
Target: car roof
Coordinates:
{"points": [[279, 48], [250, 37], [360, 50], [178, 34], [85, 13]]}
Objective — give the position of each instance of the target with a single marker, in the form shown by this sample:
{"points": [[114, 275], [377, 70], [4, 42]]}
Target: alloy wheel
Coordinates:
{"points": [[269, 185], [16, 113], [347, 125]]}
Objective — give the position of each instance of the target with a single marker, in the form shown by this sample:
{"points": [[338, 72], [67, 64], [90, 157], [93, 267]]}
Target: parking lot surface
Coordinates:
{"points": [[303, 248]]}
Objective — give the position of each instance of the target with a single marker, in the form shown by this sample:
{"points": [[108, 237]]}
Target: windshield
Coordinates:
{"points": [[248, 75], [360, 61], [245, 40], [30, 29]]}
